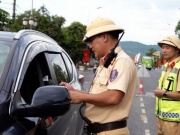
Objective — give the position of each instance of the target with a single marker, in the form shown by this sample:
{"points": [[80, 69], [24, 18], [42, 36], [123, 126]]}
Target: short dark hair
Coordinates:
{"points": [[114, 34]]}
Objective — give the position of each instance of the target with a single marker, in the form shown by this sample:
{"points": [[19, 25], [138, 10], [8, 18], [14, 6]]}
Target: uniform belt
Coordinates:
{"points": [[97, 128]]}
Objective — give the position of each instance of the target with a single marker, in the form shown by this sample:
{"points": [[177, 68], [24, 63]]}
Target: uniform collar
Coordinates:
{"points": [[172, 63]]}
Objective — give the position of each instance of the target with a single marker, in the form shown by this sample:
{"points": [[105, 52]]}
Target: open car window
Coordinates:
{"points": [[34, 77]]}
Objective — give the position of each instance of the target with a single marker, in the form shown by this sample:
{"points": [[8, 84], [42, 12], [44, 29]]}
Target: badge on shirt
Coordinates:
{"points": [[113, 75]]}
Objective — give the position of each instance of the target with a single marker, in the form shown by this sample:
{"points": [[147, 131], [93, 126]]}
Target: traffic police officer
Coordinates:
{"points": [[110, 97], [167, 94]]}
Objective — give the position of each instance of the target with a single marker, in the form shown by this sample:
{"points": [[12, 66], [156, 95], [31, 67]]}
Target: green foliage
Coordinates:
{"points": [[4, 20], [43, 18], [17, 25], [151, 52], [74, 35]]}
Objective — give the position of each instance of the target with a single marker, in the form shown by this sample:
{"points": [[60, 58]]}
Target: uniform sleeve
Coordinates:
{"points": [[121, 75]]}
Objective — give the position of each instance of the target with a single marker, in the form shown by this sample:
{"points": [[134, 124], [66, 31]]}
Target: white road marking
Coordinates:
{"points": [[147, 132], [143, 110], [142, 104], [145, 121], [144, 118]]}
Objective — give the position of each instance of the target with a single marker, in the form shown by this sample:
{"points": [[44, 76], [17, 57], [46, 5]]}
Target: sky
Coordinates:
{"points": [[144, 21]]}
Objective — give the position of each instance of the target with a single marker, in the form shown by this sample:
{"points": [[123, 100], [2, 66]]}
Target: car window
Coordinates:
{"points": [[69, 65], [34, 77], [59, 68], [4, 51]]}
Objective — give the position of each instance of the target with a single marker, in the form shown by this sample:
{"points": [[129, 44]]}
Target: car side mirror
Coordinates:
{"points": [[47, 101]]}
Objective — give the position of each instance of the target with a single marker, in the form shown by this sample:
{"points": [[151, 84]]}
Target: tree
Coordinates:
{"points": [[43, 18], [55, 31], [50, 25], [4, 20], [151, 52], [177, 29], [74, 35]]}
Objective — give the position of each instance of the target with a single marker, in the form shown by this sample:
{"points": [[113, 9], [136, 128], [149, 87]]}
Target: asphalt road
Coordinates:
{"points": [[142, 120]]}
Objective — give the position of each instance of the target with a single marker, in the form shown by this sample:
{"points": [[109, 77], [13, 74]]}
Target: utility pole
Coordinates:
{"points": [[14, 10]]}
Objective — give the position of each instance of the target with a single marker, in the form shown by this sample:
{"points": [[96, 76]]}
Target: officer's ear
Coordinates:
{"points": [[178, 50], [105, 36]]}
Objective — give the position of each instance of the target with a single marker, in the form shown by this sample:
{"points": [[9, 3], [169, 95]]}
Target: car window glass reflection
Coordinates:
{"points": [[59, 68]]}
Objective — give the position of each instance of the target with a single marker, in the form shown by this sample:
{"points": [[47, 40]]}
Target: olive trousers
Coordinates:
{"points": [[167, 127]]}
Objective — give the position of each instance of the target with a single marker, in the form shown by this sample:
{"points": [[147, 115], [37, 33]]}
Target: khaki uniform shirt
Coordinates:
{"points": [[169, 69], [120, 75]]}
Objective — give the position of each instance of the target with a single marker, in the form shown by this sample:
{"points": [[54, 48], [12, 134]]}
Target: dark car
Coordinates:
{"points": [[31, 66]]}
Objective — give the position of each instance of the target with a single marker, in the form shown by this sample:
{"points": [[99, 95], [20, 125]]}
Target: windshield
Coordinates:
{"points": [[4, 51]]}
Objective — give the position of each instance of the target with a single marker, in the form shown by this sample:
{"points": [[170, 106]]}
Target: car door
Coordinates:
{"points": [[30, 76], [43, 64]]}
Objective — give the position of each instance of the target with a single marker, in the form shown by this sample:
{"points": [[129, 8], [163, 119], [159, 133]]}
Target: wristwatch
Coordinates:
{"points": [[164, 94]]}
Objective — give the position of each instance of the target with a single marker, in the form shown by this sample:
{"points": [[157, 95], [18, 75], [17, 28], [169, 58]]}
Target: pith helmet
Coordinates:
{"points": [[100, 25], [170, 40]]}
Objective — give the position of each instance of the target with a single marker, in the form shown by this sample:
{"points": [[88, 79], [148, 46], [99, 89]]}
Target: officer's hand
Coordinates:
{"points": [[75, 97], [67, 85], [158, 93]]}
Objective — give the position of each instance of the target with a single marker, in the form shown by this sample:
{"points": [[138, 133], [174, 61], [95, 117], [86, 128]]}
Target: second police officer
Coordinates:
{"points": [[167, 94]]}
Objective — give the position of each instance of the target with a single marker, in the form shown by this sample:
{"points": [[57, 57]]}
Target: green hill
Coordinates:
{"points": [[133, 48]]}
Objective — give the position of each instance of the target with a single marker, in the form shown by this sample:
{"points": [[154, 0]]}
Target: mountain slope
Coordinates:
{"points": [[133, 48]]}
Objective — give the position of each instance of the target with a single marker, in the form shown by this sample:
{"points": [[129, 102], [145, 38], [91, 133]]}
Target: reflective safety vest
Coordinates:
{"points": [[166, 108]]}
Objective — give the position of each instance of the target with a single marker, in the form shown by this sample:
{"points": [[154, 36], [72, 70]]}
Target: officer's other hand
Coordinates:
{"points": [[67, 85], [158, 93]]}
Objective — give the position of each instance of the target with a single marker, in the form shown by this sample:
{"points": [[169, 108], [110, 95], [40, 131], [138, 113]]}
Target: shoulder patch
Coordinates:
{"points": [[113, 75]]}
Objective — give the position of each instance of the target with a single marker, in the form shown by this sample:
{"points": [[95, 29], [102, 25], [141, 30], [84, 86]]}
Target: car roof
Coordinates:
{"points": [[5, 35]]}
